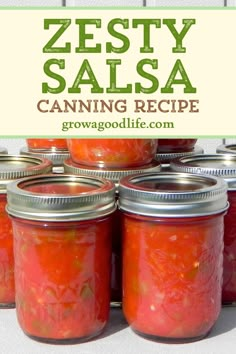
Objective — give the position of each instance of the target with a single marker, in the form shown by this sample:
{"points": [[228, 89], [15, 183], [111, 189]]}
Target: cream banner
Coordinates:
{"points": [[118, 72]]}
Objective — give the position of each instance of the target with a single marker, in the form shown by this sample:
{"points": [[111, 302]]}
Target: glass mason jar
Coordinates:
{"points": [[62, 246], [46, 144], [223, 165], [172, 253], [114, 175], [57, 157], [117, 153], [12, 167], [175, 145]]}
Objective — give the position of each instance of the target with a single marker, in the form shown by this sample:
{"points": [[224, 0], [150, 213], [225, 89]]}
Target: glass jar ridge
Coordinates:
{"points": [[222, 165], [12, 167], [62, 247], [172, 230]]}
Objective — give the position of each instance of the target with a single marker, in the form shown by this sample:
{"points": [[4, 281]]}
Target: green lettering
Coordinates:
{"points": [[126, 43], [146, 23], [91, 80], [83, 36], [155, 83], [65, 23], [184, 80], [179, 36], [113, 78], [61, 81]]}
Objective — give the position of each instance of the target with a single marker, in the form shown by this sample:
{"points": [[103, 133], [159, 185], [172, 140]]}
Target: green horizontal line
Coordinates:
{"points": [[116, 8]]}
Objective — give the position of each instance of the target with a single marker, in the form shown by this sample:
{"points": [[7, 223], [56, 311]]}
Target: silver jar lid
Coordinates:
{"points": [[61, 198], [110, 173], [173, 194], [3, 150], [226, 149], [56, 156], [19, 166], [169, 156], [221, 165]]}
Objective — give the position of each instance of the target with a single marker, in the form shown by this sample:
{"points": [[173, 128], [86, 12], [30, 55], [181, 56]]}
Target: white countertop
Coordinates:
{"points": [[118, 338]]}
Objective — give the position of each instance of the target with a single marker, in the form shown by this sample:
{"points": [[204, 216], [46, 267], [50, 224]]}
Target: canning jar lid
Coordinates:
{"points": [[19, 166], [60, 197], [226, 149], [222, 165], [56, 156], [173, 194], [113, 174], [165, 157]]}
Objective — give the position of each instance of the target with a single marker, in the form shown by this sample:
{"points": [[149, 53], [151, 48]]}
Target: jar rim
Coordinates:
{"points": [[226, 149], [20, 166], [173, 194], [57, 156], [61, 206], [221, 165], [113, 174]]}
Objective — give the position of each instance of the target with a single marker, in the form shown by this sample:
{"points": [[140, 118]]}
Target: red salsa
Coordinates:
{"points": [[172, 232], [7, 286], [120, 153], [47, 144], [174, 145], [12, 167], [222, 164], [62, 247], [62, 275], [172, 275], [116, 267], [229, 274], [115, 175]]}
